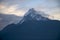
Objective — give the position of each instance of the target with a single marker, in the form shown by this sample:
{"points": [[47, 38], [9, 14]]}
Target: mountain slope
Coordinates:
{"points": [[6, 19], [32, 29]]}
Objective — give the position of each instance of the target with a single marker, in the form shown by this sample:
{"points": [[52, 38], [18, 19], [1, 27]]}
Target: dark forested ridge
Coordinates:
{"points": [[32, 29]]}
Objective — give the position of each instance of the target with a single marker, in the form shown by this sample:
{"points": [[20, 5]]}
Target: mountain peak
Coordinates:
{"points": [[30, 11], [33, 15]]}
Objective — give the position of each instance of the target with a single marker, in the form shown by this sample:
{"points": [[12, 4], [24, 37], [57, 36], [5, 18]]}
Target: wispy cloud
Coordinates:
{"points": [[11, 10]]}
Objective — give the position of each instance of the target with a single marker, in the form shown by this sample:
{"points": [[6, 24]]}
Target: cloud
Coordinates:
{"points": [[11, 10], [0, 0], [54, 12], [56, 16], [12, 2]]}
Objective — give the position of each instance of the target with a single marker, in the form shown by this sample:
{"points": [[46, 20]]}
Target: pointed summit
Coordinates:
{"points": [[33, 15], [30, 11]]}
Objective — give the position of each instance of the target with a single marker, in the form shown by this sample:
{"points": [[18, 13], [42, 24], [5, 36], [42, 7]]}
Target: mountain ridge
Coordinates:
{"points": [[32, 15]]}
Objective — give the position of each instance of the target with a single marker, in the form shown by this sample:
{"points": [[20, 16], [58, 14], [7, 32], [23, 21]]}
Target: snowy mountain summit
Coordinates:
{"points": [[33, 15]]}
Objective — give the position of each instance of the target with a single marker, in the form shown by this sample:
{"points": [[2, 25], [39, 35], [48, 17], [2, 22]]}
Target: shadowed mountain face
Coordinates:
{"points": [[32, 29]]}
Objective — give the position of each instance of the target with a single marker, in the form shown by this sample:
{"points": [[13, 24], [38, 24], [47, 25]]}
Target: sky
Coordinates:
{"points": [[20, 7]]}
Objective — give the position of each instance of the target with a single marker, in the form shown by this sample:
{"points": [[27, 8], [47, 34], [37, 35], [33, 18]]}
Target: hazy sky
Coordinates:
{"points": [[19, 7]]}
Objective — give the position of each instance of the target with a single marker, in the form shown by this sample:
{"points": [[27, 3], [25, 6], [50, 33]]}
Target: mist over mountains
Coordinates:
{"points": [[32, 14], [6, 19]]}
